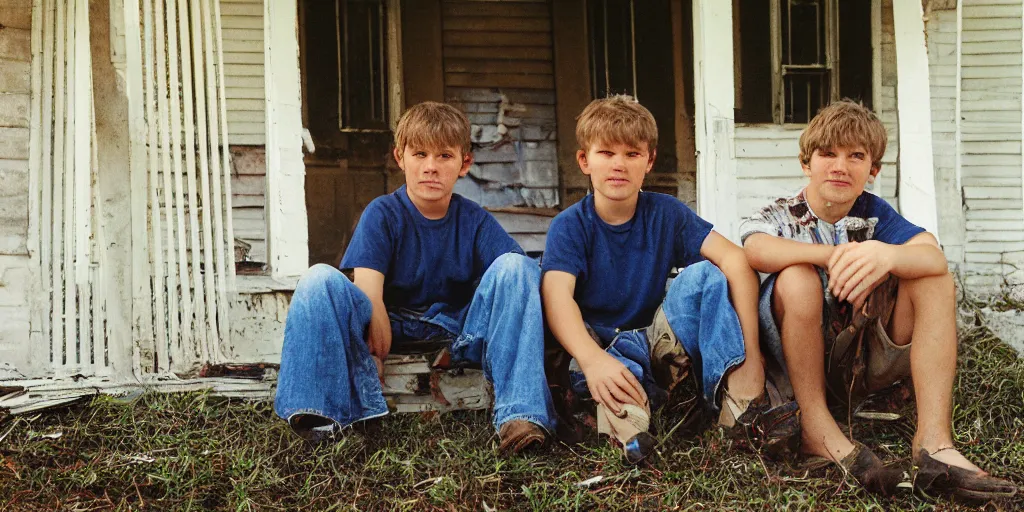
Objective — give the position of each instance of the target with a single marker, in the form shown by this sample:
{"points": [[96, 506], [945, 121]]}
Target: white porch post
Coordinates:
{"points": [[917, 176], [714, 123], [287, 234]]}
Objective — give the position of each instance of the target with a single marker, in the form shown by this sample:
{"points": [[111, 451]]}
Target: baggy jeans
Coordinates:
{"points": [[704, 321], [327, 370]]}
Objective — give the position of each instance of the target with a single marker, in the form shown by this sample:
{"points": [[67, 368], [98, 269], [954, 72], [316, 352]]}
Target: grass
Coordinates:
{"points": [[197, 451]]}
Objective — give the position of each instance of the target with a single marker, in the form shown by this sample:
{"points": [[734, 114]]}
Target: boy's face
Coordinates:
{"points": [[616, 169], [838, 175], [430, 174]]}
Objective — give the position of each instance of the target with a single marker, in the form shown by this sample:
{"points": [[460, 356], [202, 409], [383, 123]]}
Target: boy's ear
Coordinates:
{"points": [[581, 159], [875, 169], [398, 157], [467, 162], [650, 160], [806, 167]]}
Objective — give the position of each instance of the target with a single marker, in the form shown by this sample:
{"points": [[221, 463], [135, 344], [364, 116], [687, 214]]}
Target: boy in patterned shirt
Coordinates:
{"points": [[857, 298]]}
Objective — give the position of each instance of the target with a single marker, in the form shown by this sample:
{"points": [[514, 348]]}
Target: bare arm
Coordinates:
{"points": [[920, 257], [856, 268], [609, 381], [770, 254], [743, 285], [371, 282]]}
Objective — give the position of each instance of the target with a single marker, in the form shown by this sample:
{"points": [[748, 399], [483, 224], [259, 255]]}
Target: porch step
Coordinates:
{"points": [[412, 383]]}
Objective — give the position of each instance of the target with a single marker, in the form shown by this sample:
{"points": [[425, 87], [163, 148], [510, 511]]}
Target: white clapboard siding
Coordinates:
{"points": [[17, 77], [991, 157], [244, 70], [767, 165], [942, 66]]}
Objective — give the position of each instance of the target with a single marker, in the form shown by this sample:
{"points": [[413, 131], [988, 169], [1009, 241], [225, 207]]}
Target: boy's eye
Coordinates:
{"points": [[829, 154], [447, 155], [634, 154], [420, 154], [858, 156]]}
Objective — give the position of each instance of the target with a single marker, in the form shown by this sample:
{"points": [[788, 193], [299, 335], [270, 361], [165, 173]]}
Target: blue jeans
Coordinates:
{"points": [[698, 310], [327, 370]]}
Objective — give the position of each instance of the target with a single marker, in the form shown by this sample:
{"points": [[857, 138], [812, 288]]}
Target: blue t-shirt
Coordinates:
{"points": [[428, 265], [870, 218], [621, 271]]}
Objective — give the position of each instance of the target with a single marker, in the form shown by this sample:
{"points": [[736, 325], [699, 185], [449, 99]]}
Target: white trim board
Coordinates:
{"points": [[917, 176]]}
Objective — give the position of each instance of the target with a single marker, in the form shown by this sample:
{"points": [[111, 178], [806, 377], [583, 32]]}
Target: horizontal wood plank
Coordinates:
{"points": [[503, 53], [497, 24], [506, 9], [503, 39], [522, 67], [499, 80]]}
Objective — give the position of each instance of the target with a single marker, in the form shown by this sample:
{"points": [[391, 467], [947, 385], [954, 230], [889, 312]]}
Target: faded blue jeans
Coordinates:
{"points": [[327, 370], [704, 321]]}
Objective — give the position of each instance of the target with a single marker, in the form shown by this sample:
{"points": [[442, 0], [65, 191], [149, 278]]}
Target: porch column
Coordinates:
{"points": [[917, 199], [714, 123], [287, 233]]}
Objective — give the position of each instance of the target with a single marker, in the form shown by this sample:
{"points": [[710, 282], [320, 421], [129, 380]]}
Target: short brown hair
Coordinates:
{"points": [[433, 125], [844, 124], [616, 119]]}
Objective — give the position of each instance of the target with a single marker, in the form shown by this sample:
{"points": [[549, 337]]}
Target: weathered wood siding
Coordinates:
{"points": [[991, 143], [248, 198], [244, 70], [942, 61], [15, 90], [498, 67], [767, 163]]}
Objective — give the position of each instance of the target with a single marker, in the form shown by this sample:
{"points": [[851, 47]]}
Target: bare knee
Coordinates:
{"points": [[798, 293], [930, 288], [933, 298]]}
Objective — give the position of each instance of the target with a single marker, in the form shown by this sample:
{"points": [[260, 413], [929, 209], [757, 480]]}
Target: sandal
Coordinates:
{"points": [[933, 477]]}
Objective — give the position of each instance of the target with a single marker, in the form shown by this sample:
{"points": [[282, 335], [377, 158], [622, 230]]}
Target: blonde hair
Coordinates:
{"points": [[433, 125], [844, 124], [616, 119]]}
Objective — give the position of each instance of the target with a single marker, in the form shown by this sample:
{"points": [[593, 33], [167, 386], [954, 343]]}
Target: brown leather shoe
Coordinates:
{"points": [[872, 473], [516, 436], [760, 426], [933, 477]]}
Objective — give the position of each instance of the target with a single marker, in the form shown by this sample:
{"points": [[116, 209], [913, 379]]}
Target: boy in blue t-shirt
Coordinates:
{"points": [[852, 288], [428, 265], [606, 264]]}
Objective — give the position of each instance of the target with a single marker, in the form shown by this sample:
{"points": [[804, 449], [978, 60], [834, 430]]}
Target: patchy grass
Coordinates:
{"points": [[197, 451]]}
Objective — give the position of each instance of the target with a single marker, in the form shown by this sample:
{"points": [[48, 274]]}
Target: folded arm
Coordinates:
{"points": [[856, 268], [770, 254]]}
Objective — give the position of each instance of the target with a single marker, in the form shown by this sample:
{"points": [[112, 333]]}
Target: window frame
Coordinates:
{"points": [[778, 69], [391, 67]]}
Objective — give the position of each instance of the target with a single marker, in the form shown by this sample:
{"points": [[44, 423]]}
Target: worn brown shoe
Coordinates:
{"points": [[872, 473], [933, 477], [515, 436], [757, 425]]}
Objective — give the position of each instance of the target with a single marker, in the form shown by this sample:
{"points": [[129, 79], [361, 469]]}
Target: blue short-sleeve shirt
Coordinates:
{"points": [[427, 264], [621, 271]]}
